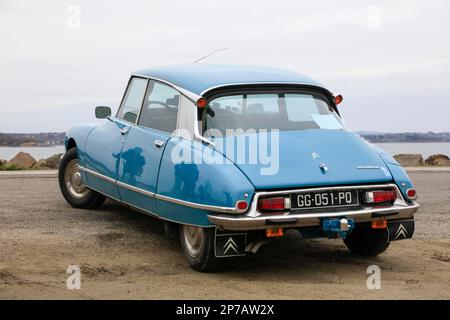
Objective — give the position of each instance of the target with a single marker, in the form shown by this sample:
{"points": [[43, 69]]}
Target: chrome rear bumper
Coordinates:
{"points": [[246, 222], [254, 220]]}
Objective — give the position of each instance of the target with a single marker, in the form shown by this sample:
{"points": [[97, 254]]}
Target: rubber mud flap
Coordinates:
{"points": [[401, 229], [229, 243]]}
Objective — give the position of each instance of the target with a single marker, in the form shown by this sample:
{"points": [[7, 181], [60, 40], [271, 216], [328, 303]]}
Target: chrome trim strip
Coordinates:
{"points": [[96, 174], [135, 189], [144, 211], [200, 206], [191, 95], [198, 136], [253, 214], [233, 210]]}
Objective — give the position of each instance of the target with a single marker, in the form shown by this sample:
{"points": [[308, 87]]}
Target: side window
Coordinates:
{"points": [[160, 107], [132, 102]]}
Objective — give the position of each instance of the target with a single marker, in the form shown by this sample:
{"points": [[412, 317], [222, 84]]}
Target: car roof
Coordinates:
{"points": [[199, 78]]}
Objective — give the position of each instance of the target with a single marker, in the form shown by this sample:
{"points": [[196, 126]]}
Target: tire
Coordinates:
{"points": [[367, 242], [198, 247], [71, 185]]}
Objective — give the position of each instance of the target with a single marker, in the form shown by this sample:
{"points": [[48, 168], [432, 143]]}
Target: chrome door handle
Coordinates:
{"points": [[124, 130], [158, 143]]}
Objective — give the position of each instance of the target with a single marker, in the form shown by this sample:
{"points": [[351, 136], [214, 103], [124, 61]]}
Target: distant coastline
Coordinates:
{"points": [[46, 139], [406, 137]]}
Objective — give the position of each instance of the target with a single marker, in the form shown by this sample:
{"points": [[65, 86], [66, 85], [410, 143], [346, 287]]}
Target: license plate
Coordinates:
{"points": [[324, 199]]}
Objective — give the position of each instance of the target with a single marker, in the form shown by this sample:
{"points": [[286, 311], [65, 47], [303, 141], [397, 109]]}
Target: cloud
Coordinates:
{"points": [[53, 76]]}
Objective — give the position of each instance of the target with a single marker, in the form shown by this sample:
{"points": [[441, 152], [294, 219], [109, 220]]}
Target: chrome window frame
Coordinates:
{"points": [[143, 104], [123, 100], [195, 126]]}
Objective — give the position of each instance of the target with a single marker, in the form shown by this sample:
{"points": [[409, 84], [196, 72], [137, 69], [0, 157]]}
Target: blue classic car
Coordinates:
{"points": [[234, 156]]}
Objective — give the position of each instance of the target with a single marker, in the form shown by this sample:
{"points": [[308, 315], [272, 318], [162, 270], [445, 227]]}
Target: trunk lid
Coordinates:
{"points": [[345, 159]]}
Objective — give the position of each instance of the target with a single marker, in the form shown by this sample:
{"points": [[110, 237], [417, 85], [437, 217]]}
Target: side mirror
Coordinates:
{"points": [[102, 112]]}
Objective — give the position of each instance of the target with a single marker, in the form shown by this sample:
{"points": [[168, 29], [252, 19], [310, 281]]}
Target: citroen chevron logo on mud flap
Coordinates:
{"points": [[401, 231], [230, 244]]}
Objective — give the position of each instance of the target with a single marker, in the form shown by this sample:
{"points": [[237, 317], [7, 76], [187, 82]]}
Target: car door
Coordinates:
{"points": [[144, 146], [104, 144]]}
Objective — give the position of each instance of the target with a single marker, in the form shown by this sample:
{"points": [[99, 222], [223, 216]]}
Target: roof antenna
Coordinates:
{"points": [[210, 54]]}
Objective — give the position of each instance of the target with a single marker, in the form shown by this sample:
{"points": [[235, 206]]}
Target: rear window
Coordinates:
{"points": [[281, 111]]}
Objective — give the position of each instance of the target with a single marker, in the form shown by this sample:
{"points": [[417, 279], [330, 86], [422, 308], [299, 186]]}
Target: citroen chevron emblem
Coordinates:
{"points": [[401, 231], [230, 244], [315, 156]]}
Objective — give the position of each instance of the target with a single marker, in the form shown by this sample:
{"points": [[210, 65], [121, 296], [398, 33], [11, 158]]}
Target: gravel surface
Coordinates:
{"points": [[125, 255]]}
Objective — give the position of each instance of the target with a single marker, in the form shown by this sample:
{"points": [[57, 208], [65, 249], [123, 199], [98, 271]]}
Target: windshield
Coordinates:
{"points": [[259, 111]]}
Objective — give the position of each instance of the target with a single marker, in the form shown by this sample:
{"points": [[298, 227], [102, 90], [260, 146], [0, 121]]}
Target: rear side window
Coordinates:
{"points": [[132, 102], [160, 107]]}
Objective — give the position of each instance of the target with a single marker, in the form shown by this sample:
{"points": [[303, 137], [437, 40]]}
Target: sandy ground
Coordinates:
{"points": [[125, 255]]}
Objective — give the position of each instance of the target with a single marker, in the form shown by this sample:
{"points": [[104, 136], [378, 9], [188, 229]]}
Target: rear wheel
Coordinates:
{"points": [[367, 242], [198, 247], [72, 186]]}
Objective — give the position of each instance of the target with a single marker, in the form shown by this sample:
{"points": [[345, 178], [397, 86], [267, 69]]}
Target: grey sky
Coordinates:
{"points": [[389, 59]]}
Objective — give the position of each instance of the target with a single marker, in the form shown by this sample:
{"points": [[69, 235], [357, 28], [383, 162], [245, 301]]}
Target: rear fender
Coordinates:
{"points": [[210, 184]]}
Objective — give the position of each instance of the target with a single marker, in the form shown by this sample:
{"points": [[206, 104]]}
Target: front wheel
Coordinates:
{"points": [[198, 247], [367, 242], [72, 186]]}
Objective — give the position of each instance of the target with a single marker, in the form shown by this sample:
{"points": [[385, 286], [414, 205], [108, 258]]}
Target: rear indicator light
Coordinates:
{"points": [[381, 196], [275, 232], [379, 224], [274, 204], [201, 103], [338, 99], [242, 205], [411, 193]]}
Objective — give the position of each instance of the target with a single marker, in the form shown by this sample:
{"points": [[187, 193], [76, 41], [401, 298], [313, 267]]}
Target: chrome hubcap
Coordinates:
{"points": [[76, 178], [194, 238], [74, 183]]}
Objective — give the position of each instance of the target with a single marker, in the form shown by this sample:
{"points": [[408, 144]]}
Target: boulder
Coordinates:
{"points": [[409, 160], [22, 160], [53, 161], [438, 160], [40, 165]]}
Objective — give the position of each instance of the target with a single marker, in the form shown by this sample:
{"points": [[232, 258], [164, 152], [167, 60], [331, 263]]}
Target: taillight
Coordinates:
{"points": [[242, 205], [381, 196], [411, 193], [274, 204]]}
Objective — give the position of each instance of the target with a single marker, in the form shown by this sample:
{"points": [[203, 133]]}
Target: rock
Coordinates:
{"points": [[438, 160], [40, 165], [22, 160], [53, 161], [409, 160]]}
